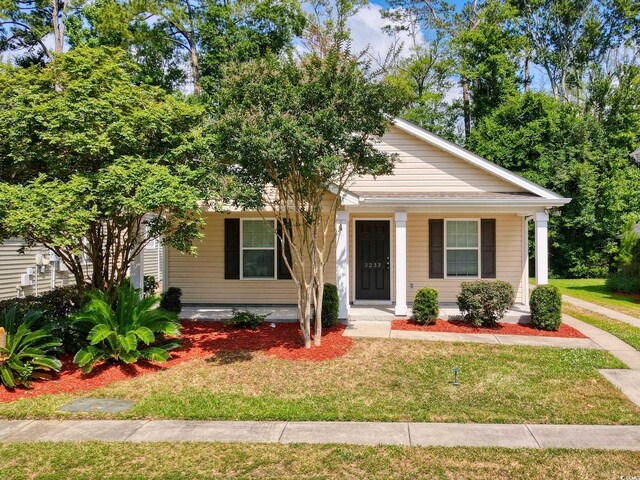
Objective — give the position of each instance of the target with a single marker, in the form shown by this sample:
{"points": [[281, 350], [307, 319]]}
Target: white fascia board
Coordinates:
{"points": [[346, 197], [533, 202], [476, 160]]}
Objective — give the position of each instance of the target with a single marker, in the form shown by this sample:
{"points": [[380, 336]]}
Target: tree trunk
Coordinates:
{"points": [[466, 107], [526, 74], [304, 314], [317, 311], [58, 24], [195, 67]]}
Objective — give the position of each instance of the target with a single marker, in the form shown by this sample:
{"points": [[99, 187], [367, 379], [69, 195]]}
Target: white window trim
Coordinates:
{"points": [[446, 248], [243, 248]]}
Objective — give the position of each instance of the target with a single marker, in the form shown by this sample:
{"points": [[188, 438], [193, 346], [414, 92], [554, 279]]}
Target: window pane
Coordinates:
{"points": [[258, 264], [257, 233], [462, 263], [462, 234]]}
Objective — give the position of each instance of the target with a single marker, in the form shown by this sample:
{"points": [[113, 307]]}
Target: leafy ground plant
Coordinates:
{"points": [[25, 354], [126, 331]]}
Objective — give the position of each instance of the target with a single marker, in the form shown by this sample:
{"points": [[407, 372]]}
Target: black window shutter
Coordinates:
{"points": [[283, 270], [232, 248], [488, 247], [436, 248]]}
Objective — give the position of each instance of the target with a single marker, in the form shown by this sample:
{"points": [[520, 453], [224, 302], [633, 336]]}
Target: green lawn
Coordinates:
{"points": [[378, 380], [593, 290], [625, 332], [261, 461]]}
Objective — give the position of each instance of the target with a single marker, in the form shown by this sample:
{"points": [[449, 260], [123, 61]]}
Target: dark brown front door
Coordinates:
{"points": [[373, 267]]}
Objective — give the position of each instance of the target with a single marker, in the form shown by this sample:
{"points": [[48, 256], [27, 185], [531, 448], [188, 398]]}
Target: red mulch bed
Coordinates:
{"points": [[456, 326], [199, 339]]}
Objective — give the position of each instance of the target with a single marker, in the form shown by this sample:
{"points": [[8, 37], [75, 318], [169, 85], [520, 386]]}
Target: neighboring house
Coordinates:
{"points": [[445, 216], [20, 274]]}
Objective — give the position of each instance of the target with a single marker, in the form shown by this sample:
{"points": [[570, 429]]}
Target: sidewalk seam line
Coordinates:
{"points": [[286, 424], [532, 435], [409, 434], [145, 422], [19, 429]]}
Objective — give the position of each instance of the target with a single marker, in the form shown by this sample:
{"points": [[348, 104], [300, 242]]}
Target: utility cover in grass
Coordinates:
{"points": [[109, 405]]}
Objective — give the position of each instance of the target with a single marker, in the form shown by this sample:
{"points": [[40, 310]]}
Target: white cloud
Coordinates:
{"points": [[367, 32]]}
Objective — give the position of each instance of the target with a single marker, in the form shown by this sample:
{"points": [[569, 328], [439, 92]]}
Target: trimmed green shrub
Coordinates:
{"points": [[627, 280], [150, 285], [330, 305], [26, 353], [546, 307], [425, 306], [482, 303], [130, 329], [56, 307], [171, 300], [245, 319]]}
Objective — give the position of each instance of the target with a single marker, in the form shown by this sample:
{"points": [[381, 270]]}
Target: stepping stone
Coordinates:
{"points": [[90, 405]]}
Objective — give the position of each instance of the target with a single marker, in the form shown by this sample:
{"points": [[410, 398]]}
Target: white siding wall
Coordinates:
{"points": [[14, 264]]}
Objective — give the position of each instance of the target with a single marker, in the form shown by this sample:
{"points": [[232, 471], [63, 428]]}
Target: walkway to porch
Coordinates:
{"points": [[288, 313]]}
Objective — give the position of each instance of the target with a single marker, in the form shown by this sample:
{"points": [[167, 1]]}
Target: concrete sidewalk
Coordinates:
{"points": [[607, 312], [376, 329], [357, 433]]}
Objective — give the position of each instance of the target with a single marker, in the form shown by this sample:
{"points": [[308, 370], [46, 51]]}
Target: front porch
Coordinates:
{"points": [[289, 313]]}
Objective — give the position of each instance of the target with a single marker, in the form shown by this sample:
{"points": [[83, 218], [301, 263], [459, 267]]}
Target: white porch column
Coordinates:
{"points": [[542, 248], [342, 263], [401, 264]]}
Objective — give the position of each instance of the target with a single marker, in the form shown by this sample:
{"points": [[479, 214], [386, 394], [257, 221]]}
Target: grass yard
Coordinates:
{"points": [[593, 290], [246, 461], [377, 380], [625, 332]]}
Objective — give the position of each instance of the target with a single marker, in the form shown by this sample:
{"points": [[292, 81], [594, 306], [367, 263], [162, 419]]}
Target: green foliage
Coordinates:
{"points": [[629, 251], [549, 143], [150, 285], [483, 303], [625, 280], [25, 352], [236, 32], [425, 306], [56, 306], [130, 330], [102, 154], [245, 319], [330, 305], [546, 307], [171, 300]]}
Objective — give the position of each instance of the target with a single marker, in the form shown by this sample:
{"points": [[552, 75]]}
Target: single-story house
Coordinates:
{"points": [[445, 216]]}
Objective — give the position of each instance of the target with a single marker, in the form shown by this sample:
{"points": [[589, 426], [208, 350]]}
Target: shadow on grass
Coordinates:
{"points": [[603, 292]]}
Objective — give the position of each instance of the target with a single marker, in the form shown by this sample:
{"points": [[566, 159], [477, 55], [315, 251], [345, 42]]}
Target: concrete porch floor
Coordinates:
{"points": [[289, 313]]}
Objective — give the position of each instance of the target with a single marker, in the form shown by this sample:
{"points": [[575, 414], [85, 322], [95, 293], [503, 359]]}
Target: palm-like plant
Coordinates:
{"points": [[25, 354], [125, 332]]}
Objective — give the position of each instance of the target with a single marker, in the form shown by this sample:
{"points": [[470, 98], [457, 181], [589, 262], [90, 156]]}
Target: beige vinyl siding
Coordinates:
{"points": [[14, 264], [201, 278], [422, 167], [510, 265]]}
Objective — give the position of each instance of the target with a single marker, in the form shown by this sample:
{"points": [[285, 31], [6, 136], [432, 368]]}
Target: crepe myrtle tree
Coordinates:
{"points": [[295, 132], [98, 167]]}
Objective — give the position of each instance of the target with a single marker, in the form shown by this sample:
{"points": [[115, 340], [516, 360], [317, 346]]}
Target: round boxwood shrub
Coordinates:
{"points": [[482, 303], [171, 300], [425, 306], [546, 307], [329, 314]]}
